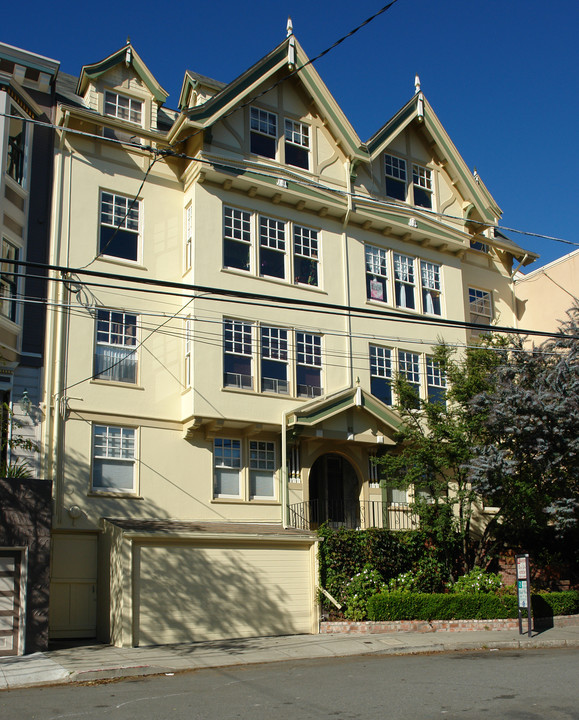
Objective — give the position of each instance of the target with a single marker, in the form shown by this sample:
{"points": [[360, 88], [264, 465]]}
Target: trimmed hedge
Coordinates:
{"points": [[460, 606]]}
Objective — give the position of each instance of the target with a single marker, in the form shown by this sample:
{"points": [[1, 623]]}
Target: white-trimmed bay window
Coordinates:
{"points": [[395, 169], [123, 107], [236, 238], [272, 246], [435, 382], [404, 281], [113, 459], [422, 186], [297, 144], [308, 364], [409, 368], [263, 132], [237, 354], [261, 470], [306, 255], [376, 273], [119, 226], [480, 306], [273, 256], [227, 468], [274, 360], [116, 340], [9, 281], [381, 373], [430, 279]]}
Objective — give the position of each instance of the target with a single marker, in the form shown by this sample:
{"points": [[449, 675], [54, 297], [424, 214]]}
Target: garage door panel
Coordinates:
{"points": [[201, 593]]}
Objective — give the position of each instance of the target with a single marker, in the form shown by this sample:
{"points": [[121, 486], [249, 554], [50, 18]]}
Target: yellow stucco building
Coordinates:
{"points": [[249, 277]]}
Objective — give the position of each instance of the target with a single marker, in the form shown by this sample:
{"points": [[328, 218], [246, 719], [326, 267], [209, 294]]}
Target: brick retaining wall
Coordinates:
{"points": [[424, 626]]}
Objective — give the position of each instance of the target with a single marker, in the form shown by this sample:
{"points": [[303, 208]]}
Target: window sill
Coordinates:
{"points": [[241, 501], [112, 494], [274, 281], [116, 384], [257, 393], [121, 261]]}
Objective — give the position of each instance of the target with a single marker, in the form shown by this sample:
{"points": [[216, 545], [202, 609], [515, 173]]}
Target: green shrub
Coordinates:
{"points": [[466, 606], [440, 606], [477, 581], [547, 604], [359, 590]]}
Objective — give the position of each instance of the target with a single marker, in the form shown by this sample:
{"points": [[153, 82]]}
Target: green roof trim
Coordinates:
{"points": [[96, 70], [394, 124]]}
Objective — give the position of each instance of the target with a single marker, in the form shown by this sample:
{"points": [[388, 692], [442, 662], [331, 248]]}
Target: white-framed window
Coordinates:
{"points": [[188, 228], [272, 245], [376, 273], [264, 138], [237, 354], [263, 132], [116, 340], [480, 306], [422, 186], [17, 144], [119, 226], [404, 281], [435, 382], [308, 364], [274, 360], [306, 256], [381, 373], [123, 107], [395, 169], [9, 281], [227, 468], [409, 368], [188, 351], [431, 287], [297, 144], [262, 465], [273, 256], [114, 459], [236, 238]]}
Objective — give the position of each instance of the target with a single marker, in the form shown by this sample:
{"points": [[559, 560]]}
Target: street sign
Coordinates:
{"points": [[524, 590]]}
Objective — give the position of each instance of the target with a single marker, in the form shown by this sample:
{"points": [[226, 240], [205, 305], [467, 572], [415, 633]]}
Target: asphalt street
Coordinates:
{"points": [[505, 684]]}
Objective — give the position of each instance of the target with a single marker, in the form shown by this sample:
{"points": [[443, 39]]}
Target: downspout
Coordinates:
{"points": [[56, 330], [348, 166], [284, 477]]}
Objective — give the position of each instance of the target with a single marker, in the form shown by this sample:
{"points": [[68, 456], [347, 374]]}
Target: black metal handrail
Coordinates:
{"points": [[310, 514]]}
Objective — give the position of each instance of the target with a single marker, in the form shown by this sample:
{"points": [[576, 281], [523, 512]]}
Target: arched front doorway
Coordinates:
{"points": [[334, 493]]}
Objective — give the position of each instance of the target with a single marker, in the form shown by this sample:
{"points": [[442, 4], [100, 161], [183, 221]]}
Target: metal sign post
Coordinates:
{"points": [[524, 590]]}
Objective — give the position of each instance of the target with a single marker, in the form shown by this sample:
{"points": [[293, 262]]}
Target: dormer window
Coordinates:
{"points": [[422, 186], [263, 138], [124, 108], [297, 144], [395, 177]]}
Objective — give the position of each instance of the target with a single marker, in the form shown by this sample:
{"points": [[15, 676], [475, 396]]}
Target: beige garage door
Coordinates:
{"points": [[189, 593]]}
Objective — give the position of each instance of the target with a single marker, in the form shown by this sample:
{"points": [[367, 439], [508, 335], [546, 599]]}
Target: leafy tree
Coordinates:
{"points": [[527, 463], [437, 445]]}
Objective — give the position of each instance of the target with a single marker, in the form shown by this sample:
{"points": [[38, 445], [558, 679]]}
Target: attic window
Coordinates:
{"points": [[297, 144], [263, 138], [422, 181], [395, 177], [123, 107]]}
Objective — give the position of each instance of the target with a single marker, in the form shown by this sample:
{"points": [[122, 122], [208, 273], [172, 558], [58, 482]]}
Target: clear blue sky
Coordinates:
{"points": [[500, 74]]}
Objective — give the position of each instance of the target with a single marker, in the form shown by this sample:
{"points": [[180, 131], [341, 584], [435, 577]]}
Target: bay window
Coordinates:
{"points": [[376, 273], [237, 357], [381, 373], [274, 360], [308, 364], [404, 281]]}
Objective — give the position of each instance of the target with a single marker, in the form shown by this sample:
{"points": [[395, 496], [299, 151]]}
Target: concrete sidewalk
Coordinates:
{"points": [[101, 662]]}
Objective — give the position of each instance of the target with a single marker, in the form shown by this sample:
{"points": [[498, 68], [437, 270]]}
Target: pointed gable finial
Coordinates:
{"points": [[129, 53], [416, 85], [291, 46]]}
